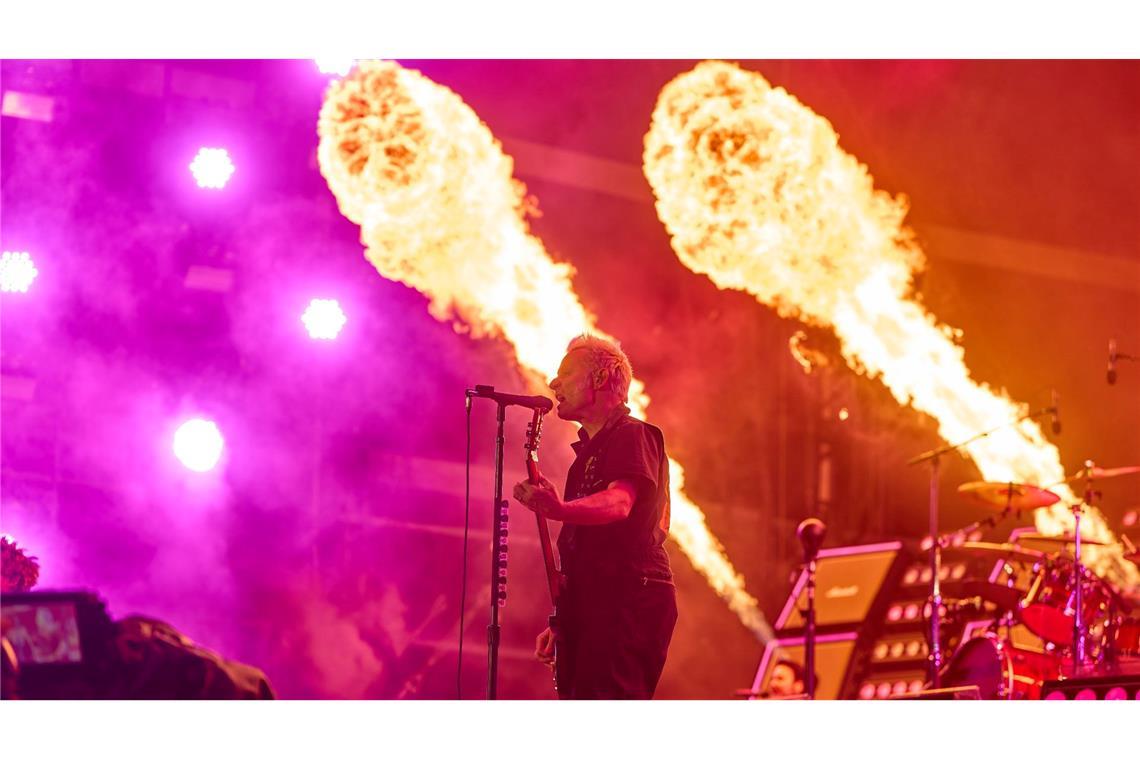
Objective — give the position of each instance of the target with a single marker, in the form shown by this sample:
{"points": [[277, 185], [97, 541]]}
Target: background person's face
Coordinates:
{"points": [[783, 681]]}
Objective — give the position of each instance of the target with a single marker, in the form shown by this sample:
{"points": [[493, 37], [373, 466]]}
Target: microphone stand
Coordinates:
{"points": [[935, 659], [810, 532], [499, 526], [809, 631], [498, 554]]}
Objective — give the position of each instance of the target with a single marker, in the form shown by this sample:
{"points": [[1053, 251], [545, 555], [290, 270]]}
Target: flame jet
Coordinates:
{"points": [[439, 210], [756, 193]]}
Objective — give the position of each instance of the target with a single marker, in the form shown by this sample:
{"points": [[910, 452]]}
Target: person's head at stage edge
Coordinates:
{"points": [[592, 380], [787, 679]]}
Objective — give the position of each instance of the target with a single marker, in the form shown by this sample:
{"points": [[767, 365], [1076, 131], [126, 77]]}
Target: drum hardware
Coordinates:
{"points": [[934, 666], [1078, 571]]}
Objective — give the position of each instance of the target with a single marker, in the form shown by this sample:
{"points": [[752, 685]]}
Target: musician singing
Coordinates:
{"points": [[617, 611]]}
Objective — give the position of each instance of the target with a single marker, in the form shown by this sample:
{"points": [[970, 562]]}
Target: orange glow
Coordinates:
{"points": [[439, 210], [757, 194]]}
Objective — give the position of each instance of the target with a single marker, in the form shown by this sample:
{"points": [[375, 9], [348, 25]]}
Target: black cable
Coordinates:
{"points": [[466, 526]]}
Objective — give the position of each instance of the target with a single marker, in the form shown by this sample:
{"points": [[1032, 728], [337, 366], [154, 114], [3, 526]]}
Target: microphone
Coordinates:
{"points": [[1111, 374], [811, 532], [1056, 411], [509, 399]]}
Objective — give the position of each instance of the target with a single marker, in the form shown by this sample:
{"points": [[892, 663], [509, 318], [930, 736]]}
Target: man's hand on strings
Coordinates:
{"points": [[541, 497]]}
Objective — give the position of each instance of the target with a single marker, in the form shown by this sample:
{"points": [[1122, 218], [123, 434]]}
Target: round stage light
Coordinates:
{"points": [[198, 444], [212, 168], [17, 270], [324, 319]]}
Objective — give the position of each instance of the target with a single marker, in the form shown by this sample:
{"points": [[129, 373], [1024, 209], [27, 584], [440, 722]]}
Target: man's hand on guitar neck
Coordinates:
{"points": [[541, 498], [610, 505]]}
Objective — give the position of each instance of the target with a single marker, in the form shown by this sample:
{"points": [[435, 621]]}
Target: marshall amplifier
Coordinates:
{"points": [[849, 582], [832, 657]]}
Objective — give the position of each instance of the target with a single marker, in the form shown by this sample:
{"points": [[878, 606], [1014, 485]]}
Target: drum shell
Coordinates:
{"points": [[999, 669], [1047, 609], [1127, 638]]}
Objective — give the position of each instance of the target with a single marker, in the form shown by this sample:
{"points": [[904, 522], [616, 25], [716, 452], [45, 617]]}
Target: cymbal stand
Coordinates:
{"points": [[1079, 572], [934, 660]]}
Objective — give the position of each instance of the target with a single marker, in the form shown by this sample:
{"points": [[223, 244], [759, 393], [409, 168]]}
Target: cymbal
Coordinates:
{"points": [[1003, 551], [1013, 495], [1068, 538], [1005, 597], [1100, 473]]}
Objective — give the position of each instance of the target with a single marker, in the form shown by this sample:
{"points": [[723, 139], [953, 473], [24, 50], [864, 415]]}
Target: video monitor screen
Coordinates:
{"points": [[43, 633]]}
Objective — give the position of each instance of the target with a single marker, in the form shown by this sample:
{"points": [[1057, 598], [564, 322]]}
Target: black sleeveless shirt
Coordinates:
{"points": [[624, 449]]}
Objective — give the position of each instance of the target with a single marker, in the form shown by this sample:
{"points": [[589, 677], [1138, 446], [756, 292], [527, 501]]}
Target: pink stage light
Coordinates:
{"points": [[198, 444], [17, 270], [324, 319], [212, 168], [338, 66]]}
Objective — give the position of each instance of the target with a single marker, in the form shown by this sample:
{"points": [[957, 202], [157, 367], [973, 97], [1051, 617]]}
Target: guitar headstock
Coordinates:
{"points": [[533, 436], [534, 432]]}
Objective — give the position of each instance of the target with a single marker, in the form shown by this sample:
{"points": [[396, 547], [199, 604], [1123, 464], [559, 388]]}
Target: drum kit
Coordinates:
{"points": [[1043, 613]]}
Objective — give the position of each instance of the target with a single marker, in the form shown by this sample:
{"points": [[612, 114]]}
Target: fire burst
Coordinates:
{"points": [[439, 210], [757, 194]]}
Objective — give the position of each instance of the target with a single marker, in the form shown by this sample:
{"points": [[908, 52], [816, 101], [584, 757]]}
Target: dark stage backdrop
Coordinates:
{"points": [[327, 548]]}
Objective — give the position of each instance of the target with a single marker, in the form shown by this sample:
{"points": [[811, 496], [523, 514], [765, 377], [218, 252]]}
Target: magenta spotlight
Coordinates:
{"points": [[17, 270], [338, 66], [323, 319], [198, 444], [212, 168]]}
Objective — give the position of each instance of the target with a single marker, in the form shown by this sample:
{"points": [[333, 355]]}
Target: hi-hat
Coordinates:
{"points": [[1067, 538], [1017, 496], [996, 551]]}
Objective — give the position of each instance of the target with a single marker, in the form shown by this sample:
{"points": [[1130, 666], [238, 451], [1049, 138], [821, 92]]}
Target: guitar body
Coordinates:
{"points": [[553, 575]]}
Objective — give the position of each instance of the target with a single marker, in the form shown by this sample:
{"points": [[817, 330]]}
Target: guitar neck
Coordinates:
{"points": [[548, 558]]}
